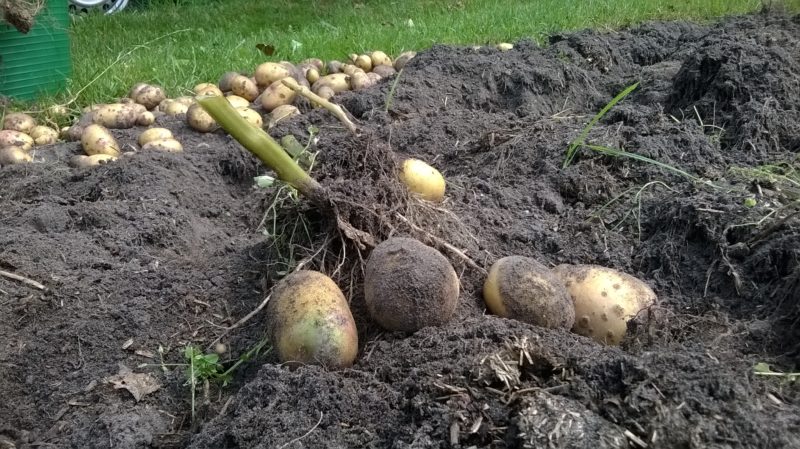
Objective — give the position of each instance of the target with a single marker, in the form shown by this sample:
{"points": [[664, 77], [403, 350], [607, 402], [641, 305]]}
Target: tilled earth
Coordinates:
{"points": [[156, 251]]}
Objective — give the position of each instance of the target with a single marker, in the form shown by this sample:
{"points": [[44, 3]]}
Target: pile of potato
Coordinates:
{"points": [[19, 135]]}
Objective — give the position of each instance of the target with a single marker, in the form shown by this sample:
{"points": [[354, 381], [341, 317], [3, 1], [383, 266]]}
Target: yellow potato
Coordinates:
{"points": [[380, 58], [97, 139], [11, 138], [364, 63], [207, 89], [316, 62], [18, 121], [504, 46], [310, 322], [338, 82], [43, 135], [243, 87], [154, 134], [58, 111], [252, 117], [148, 96], [13, 155], [237, 101], [146, 118], [199, 119], [312, 75], [403, 59], [116, 116], [269, 72], [282, 113], [91, 161], [605, 300], [188, 101], [423, 180], [174, 108], [277, 94], [360, 80], [521, 288], [136, 89], [165, 145], [325, 92], [408, 285], [350, 69]]}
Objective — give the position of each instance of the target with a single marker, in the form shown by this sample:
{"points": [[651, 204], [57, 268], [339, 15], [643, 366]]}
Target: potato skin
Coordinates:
{"points": [[423, 180], [409, 285], [152, 134], [199, 119], [13, 155], [605, 300], [310, 321], [98, 140], [18, 121], [277, 94], [116, 116], [269, 72], [525, 290], [11, 138]]}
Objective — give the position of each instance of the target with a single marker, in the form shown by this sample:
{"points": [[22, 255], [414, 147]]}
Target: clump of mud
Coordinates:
{"points": [[158, 251]]}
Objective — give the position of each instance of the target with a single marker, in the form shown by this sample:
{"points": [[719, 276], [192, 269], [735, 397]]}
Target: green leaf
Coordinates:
{"points": [[762, 367]]}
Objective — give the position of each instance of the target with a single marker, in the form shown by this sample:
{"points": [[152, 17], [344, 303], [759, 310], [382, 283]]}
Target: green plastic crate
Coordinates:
{"points": [[38, 62]]}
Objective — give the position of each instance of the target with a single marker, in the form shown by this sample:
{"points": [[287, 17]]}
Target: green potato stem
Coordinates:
{"points": [[258, 142]]}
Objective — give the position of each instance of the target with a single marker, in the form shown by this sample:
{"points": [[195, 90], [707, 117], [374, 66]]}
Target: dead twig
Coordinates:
{"points": [[239, 323], [23, 279], [334, 109]]}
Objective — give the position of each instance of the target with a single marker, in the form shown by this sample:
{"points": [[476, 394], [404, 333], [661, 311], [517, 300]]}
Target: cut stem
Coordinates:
{"points": [[258, 142], [334, 109]]}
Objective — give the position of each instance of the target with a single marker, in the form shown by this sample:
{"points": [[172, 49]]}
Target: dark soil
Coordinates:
{"points": [[163, 250]]}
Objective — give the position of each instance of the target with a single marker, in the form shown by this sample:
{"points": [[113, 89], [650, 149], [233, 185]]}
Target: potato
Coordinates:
{"points": [[97, 139], [243, 87], [58, 111], [350, 69], [409, 285], [225, 81], [64, 133], [325, 92], [384, 70], [360, 81], [282, 113], [43, 135], [338, 82], [310, 321], [136, 89], [91, 161], [188, 101], [146, 118], [374, 77], [403, 59], [269, 72], [13, 155], [252, 117], [380, 58], [334, 67], [364, 63], [174, 108], [523, 289], [423, 180], [605, 300], [199, 119], [207, 89], [149, 96], [116, 116], [154, 134], [166, 145], [312, 75], [11, 138], [237, 101], [277, 94], [315, 62], [504, 46], [18, 121], [352, 58]]}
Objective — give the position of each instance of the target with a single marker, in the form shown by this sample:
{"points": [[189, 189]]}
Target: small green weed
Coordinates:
{"points": [[763, 369]]}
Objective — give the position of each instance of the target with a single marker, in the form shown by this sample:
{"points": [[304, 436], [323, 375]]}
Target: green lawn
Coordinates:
{"points": [[178, 43]]}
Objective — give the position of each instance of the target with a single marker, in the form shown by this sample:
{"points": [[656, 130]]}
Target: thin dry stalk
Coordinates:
{"points": [[334, 109]]}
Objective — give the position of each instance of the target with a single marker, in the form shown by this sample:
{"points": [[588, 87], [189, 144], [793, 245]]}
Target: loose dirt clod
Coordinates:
{"points": [[163, 248]]}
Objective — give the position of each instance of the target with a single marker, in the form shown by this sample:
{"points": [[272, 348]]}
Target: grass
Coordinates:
{"points": [[185, 42]]}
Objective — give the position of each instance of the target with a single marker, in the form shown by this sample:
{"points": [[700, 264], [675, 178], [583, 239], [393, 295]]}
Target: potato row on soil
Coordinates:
{"points": [[160, 250]]}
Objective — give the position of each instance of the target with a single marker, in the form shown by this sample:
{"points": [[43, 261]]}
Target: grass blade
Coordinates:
{"points": [[578, 142]]}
